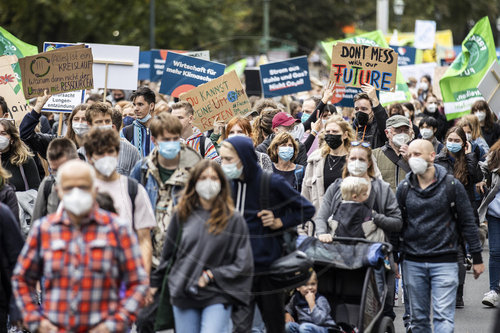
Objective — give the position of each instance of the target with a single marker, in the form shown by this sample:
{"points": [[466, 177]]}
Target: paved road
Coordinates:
{"points": [[474, 317]]}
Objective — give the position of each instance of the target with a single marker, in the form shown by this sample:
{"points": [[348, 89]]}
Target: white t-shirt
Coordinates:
{"points": [[118, 190]]}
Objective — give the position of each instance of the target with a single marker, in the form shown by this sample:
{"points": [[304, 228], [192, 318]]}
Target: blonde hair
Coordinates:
{"points": [[351, 186], [475, 126], [344, 127], [19, 150]]}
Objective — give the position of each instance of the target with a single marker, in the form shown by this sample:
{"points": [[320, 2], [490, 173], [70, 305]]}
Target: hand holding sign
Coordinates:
{"points": [[40, 101], [372, 93], [329, 92]]}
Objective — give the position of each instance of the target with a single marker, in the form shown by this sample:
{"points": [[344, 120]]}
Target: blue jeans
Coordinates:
{"points": [[212, 319], [438, 281], [494, 244], [304, 328]]}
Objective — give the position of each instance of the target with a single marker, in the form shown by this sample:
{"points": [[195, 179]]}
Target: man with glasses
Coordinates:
{"points": [[371, 116]]}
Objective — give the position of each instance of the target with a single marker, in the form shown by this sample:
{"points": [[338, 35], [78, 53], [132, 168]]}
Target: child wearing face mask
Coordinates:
{"points": [[307, 310]]}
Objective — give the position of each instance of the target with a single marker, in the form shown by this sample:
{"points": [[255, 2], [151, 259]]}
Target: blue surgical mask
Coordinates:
{"points": [[453, 147], [127, 121], [145, 119], [304, 117], [285, 153], [169, 149], [232, 171]]}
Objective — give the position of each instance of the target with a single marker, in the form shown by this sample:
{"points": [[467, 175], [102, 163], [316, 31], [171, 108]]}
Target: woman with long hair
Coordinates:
{"points": [[17, 159], [213, 266], [460, 161], [489, 127], [77, 125], [325, 165], [470, 125], [7, 193], [263, 126], [489, 212]]}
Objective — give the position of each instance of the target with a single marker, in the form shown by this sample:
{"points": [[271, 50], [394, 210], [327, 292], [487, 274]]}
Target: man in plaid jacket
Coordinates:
{"points": [[84, 254]]}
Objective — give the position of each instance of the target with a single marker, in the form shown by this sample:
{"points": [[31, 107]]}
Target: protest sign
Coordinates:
{"points": [[64, 102], [115, 66], [418, 70], [57, 71], [253, 87], [354, 65], [183, 73], [490, 87], [220, 99], [10, 89], [285, 77], [144, 65], [158, 58], [344, 96], [406, 54], [459, 83], [425, 34]]}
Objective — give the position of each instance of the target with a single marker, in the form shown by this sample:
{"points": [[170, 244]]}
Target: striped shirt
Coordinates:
{"points": [[194, 142]]}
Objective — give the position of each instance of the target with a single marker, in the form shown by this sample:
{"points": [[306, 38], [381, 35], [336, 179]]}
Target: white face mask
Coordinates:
{"points": [[424, 86], [481, 115], [468, 136], [106, 165], [400, 139], [235, 134], [207, 189], [357, 168], [80, 129], [432, 107], [427, 133], [103, 127], [4, 142], [78, 202], [418, 165]]}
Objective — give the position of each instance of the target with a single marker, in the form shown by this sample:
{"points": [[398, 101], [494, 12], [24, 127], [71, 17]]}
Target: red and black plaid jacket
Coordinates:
{"points": [[83, 268]]}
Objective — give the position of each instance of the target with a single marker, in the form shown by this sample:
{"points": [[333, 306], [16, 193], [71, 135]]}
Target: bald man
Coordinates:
{"points": [[430, 238], [84, 255]]}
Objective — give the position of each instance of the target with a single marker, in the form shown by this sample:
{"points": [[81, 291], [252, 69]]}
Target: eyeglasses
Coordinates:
{"points": [[360, 143]]}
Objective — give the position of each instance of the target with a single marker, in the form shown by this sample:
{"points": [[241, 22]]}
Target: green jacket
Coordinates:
{"points": [[392, 173]]}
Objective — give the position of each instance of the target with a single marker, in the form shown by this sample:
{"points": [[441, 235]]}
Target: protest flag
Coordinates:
{"points": [[10, 45], [238, 66], [460, 81]]}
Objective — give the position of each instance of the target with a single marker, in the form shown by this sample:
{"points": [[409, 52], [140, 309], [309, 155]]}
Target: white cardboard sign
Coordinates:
{"points": [[425, 34], [490, 87], [123, 68]]}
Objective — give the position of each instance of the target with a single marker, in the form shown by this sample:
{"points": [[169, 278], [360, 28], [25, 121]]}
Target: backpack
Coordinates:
{"points": [[450, 182]]}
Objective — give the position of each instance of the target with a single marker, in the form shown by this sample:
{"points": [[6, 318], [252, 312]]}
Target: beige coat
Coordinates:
{"points": [[313, 187]]}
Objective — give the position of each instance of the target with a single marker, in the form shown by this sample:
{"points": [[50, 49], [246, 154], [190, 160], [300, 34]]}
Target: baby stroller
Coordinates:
{"points": [[351, 275]]}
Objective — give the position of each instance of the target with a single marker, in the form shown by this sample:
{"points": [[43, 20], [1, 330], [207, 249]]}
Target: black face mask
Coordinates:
{"points": [[333, 140], [362, 118]]}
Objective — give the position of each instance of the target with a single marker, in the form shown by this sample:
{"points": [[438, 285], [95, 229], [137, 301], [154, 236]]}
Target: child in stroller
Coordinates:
{"points": [[307, 310]]}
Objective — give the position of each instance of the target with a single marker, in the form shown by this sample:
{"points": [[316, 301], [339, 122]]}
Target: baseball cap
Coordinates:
{"points": [[283, 119], [396, 121]]}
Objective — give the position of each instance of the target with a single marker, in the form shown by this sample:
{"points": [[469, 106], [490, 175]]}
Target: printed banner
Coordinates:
{"points": [[220, 99], [460, 81], [344, 96], [354, 65], [64, 102], [144, 65], [183, 73], [285, 77], [406, 54], [158, 58]]}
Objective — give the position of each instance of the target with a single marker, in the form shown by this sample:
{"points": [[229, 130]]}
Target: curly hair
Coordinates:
{"points": [[98, 141], [263, 126]]}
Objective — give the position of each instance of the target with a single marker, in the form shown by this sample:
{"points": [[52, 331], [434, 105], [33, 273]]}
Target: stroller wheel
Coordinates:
{"points": [[386, 325]]}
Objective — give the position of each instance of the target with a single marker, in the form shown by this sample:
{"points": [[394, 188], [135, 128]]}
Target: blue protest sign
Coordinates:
{"points": [[406, 54], [183, 73], [285, 77], [67, 101], [145, 65], [344, 96]]}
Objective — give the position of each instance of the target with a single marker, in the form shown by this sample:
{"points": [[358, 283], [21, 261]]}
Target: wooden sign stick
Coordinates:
{"points": [[60, 125], [497, 87], [107, 63]]}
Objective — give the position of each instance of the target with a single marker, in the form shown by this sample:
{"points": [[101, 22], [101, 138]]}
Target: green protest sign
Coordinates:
{"points": [[460, 81], [376, 38], [10, 45]]}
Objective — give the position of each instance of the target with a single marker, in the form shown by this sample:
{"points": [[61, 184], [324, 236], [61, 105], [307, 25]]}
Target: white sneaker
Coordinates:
{"points": [[490, 298]]}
